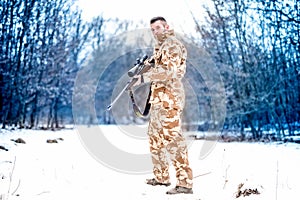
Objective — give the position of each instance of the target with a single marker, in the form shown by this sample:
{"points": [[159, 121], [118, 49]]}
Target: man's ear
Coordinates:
{"points": [[167, 27]]}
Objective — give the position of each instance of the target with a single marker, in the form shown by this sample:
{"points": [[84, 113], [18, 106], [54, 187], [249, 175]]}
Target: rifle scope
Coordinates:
{"points": [[137, 66]]}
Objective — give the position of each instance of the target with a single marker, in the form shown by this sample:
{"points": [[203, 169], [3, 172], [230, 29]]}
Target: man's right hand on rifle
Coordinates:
{"points": [[147, 65]]}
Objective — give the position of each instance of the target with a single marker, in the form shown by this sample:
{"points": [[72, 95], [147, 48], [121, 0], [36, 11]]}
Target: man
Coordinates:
{"points": [[167, 103]]}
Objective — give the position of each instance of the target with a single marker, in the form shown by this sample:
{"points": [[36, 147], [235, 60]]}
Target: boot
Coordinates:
{"points": [[179, 190], [154, 182]]}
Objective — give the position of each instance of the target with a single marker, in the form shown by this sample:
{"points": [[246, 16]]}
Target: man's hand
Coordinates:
{"points": [[137, 80], [150, 62]]}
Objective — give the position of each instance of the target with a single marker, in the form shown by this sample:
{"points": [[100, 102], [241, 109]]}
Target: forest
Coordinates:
{"points": [[46, 45]]}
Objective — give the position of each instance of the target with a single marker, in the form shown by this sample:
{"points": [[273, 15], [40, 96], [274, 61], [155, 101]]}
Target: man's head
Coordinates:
{"points": [[158, 26]]}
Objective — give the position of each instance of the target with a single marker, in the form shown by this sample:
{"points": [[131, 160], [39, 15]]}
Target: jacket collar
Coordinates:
{"points": [[166, 34]]}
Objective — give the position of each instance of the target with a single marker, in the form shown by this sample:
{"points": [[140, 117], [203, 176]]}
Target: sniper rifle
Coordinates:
{"points": [[138, 69]]}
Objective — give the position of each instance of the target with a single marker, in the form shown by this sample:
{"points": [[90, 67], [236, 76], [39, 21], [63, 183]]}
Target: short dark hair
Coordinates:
{"points": [[154, 19]]}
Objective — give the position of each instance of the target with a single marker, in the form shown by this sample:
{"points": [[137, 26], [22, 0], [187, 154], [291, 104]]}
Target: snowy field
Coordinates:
{"points": [[38, 170]]}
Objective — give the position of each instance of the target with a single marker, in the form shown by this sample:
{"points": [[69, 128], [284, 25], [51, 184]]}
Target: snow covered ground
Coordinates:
{"points": [[38, 170]]}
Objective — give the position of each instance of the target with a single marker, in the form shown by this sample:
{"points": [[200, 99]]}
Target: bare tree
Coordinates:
{"points": [[256, 46], [41, 45]]}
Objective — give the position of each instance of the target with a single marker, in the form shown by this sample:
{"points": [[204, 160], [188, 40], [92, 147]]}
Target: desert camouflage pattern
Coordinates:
{"points": [[167, 103]]}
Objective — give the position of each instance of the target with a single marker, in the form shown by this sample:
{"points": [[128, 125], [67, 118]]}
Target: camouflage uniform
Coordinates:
{"points": [[167, 103]]}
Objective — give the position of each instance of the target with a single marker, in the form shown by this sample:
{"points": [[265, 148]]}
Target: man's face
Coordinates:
{"points": [[158, 28]]}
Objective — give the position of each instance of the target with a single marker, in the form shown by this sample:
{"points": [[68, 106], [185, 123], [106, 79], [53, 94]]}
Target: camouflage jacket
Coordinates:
{"points": [[166, 76]]}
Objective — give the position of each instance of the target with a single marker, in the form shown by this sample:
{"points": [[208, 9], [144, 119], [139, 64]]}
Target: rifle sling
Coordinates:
{"points": [[136, 109]]}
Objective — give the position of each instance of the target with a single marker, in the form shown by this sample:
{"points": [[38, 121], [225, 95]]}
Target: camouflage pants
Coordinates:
{"points": [[165, 136]]}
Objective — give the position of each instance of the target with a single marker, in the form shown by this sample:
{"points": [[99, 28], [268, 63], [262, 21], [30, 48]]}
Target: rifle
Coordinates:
{"points": [[138, 69]]}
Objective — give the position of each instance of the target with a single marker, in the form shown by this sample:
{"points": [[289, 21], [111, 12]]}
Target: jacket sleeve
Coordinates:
{"points": [[169, 64]]}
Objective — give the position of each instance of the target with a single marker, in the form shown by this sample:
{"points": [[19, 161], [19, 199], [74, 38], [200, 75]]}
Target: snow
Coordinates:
{"points": [[65, 170]]}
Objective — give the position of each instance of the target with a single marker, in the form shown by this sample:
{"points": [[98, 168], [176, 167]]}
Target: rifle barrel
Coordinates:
{"points": [[116, 99]]}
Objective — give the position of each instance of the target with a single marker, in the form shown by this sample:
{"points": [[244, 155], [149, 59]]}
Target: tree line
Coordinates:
{"points": [[42, 46], [256, 46]]}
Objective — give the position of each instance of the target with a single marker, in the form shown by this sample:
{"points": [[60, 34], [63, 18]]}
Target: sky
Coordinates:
{"points": [[176, 12]]}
